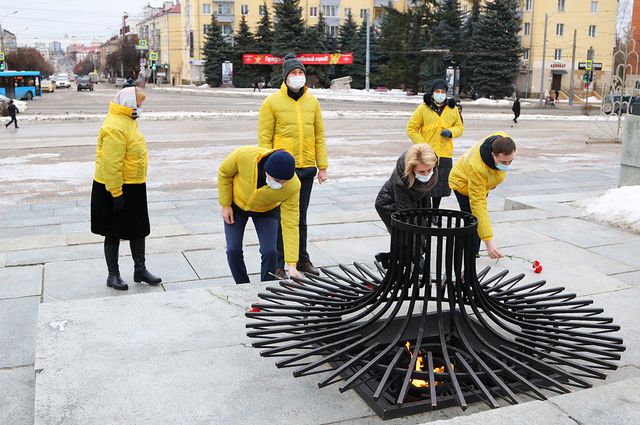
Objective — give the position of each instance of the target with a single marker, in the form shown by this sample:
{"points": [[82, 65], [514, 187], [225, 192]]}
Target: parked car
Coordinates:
{"points": [[62, 81], [4, 102], [618, 104], [48, 86], [120, 82], [84, 83]]}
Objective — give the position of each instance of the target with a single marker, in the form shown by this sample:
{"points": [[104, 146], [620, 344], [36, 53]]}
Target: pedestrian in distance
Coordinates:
{"points": [[291, 119], [260, 184], [256, 86], [12, 109], [479, 170], [516, 110], [119, 194], [437, 122], [409, 186]]}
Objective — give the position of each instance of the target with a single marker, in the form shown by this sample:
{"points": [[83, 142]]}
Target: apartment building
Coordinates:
{"points": [[635, 26], [594, 23], [196, 18], [161, 28]]}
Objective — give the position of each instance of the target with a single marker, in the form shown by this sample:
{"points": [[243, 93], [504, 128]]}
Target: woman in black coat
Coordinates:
{"points": [[408, 187]]}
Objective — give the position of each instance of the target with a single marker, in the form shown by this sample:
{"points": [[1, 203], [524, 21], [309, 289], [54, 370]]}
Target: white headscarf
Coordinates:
{"points": [[126, 97]]}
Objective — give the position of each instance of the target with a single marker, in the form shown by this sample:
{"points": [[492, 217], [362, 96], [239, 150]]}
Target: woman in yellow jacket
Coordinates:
{"points": [[437, 122], [260, 184], [291, 119], [119, 193], [479, 170]]}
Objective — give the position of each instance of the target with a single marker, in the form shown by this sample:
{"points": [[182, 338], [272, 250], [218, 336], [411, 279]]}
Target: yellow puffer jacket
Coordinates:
{"points": [[237, 184], [295, 126], [121, 154], [471, 177], [425, 126]]}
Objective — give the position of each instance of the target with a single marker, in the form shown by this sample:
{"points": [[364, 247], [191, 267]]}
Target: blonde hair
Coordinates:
{"points": [[140, 96], [418, 154]]}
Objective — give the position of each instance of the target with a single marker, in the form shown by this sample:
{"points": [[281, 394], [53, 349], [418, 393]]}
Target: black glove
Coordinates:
{"points": [[118, 204], [446, 133]]}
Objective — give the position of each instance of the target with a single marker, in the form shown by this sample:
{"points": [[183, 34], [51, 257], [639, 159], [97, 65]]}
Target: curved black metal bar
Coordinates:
{"points": [[430, 331]]}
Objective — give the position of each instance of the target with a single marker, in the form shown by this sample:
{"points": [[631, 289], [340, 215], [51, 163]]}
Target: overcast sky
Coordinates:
{"points": [[67, 20], [86, 20]]}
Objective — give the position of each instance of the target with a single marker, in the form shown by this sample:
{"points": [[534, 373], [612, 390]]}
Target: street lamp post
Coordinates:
{"points": [[2, 31], [124, 23]]}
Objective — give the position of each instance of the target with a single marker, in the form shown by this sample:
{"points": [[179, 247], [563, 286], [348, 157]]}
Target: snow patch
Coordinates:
{"points": [[619, 207]]}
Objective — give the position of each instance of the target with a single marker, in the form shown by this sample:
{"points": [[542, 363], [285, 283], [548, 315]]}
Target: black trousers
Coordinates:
{"points": [[465, 206], [14, 120], [306, 176]]}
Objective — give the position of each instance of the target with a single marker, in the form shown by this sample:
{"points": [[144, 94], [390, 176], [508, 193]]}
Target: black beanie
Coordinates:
{"points": [[280, 165], [438, 84], [291, 62]]}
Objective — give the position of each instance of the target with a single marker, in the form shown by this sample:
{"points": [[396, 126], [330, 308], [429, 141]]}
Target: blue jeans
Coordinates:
{"points": [[267, 228], [465, 206]]}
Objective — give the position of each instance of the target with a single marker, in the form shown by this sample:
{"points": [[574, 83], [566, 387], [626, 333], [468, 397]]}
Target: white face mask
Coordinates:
{"points": [[439, 97], [424, 179], [296, 82], [273, 184]]}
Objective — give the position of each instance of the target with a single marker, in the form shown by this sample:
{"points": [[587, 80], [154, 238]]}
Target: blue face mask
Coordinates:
{"points": [[502, 167]]}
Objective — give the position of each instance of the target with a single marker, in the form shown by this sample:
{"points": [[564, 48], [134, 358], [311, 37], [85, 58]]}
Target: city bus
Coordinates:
{"points": [[20, 84]]}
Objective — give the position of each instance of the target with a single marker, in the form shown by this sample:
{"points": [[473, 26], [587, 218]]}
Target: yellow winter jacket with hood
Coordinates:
{"points": [[121, 154], [295, 126], [237, 184], [472, 177], [425, 126]]}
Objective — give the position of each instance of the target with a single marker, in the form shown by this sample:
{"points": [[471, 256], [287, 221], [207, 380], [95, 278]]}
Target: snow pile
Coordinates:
{"points": [[618, 207], [483, 101], [204, 86]]}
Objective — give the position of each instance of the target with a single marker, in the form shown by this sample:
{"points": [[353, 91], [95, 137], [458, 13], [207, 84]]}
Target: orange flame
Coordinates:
{"points": [[420, 383]]}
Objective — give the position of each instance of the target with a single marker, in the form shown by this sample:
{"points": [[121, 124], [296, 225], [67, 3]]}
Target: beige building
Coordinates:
{"points": [[594, 23], [161, 28], [8, 42], [196, 17]]}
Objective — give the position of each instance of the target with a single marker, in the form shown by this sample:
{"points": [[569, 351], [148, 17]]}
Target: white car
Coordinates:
{"points": [[62, 80], [20, 104]]}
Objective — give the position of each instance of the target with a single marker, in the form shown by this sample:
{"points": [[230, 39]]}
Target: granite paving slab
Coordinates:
{"points": [[627, 253], [17, 393], [632, 278], [47, 255], [511, 234], [80, 279], [20, 281], [18, 317], [32, 242], [581, 233], [343, 231], [346, 251]]}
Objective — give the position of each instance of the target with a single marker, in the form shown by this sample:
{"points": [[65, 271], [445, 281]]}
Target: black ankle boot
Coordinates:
{"points": [[140, 272], [111, 256]]}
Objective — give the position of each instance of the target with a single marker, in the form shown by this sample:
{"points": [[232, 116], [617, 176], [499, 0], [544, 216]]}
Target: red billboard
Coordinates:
{"points": [[305, 58]]}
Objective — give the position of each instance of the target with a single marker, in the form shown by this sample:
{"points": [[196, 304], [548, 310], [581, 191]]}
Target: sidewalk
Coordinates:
{"points": [[178, 353]]}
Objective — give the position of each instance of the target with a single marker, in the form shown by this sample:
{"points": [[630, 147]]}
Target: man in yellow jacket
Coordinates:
{"points": [[479, 170], [260, 184], [291, 119], [437, 122]]}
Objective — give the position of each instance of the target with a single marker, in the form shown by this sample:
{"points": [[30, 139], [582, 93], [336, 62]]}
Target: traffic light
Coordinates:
{"points": [[153, 65], [1, 66], [585, 77], [590, 76]]}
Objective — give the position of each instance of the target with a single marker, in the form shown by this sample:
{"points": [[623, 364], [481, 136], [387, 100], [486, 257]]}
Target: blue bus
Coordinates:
{"points": [[20, 84]]}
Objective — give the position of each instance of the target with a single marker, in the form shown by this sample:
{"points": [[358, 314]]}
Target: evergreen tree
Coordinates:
{"points": [[289, 33], [216, 50], [316, 42], [469, 31], [243, 75], [496, 49], [289, 29], [447, 35], [264, 43], [376, 58], [346, 42]]}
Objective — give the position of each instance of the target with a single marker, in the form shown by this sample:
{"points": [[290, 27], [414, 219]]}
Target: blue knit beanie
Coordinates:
{"points": [[280, 165]]}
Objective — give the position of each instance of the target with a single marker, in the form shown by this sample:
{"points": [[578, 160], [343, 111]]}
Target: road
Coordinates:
{"points": [[47, 161]]}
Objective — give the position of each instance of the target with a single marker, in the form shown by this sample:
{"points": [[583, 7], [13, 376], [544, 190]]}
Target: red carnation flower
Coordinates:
{"points": [[254, 310]]}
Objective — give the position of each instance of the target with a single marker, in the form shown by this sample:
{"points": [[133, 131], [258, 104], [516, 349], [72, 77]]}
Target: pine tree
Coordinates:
{"points": [[496, 49], [264, 43], [469, 31], [447, 35], [216, 50], [243, 75]]}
